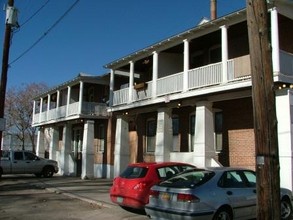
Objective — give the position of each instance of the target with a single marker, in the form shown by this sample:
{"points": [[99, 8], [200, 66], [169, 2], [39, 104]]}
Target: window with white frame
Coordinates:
{"points": [[151, 130]]}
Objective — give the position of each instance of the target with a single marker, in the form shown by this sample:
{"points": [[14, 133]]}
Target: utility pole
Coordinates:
{"points": [[5, 59], [265, 120]]}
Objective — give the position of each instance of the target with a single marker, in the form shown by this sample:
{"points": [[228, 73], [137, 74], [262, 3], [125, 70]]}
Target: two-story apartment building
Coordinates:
{"points": [[188, 98], [72, 121]]}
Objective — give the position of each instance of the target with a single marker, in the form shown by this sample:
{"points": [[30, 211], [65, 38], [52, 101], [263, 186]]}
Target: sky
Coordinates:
{"points": [[52, 46]]}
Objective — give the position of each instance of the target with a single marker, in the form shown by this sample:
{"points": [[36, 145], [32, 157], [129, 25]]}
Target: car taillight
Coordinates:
{"points": [[187, 198], [154, 194]]}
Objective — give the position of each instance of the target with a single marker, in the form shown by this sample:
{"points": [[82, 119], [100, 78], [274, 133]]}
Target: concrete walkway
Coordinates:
{"points": [[94, 191]]}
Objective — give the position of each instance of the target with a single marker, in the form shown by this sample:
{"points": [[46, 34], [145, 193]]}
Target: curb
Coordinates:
{"points": [[85, 199], [56, 190]]}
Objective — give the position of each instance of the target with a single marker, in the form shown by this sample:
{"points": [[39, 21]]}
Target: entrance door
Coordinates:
{"points": [[77, 149]]}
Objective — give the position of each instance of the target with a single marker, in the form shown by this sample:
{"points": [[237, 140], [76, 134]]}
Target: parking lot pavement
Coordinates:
{"points": [[95, 191]]}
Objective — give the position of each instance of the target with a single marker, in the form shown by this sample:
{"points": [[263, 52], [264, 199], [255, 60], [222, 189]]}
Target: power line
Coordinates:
{"points": [[34, 14], [46, 33]]}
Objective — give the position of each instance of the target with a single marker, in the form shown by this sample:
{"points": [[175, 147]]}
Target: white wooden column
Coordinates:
{"points": [[121, 152], [275, 40], [186, 65], [88, 161], [111, 95], [80, 97], [66, 165], [131, 78], [224, 53], [68, 100], [41, 105], [40, 149], [164, 135], [284, 106], [48, 106], [155, 73], [203, 135], [58, 99], [34, 111], [53, 143]]}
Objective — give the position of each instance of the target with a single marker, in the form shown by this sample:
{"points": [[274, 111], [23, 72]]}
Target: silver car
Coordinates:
{"points": [[214, 193]]}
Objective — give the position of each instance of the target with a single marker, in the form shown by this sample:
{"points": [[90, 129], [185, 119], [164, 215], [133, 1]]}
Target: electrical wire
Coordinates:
{"points": [[46, 33], [34, 14]]}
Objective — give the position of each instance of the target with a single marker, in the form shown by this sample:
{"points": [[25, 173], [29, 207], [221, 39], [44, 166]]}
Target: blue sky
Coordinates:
{"points": [[94, 33]]}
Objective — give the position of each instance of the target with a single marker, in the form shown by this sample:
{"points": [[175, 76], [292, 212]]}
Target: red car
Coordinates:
{"points": [[131, 188]]}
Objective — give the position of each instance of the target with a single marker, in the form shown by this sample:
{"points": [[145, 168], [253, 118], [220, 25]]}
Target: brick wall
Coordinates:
{"points": [[238, 133]]}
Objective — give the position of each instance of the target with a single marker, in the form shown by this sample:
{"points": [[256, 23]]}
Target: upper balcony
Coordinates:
{"points": [[238, 70], [83, 97], [213, 55]]}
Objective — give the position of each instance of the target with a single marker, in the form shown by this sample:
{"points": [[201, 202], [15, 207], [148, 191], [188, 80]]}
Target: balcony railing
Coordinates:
{"points": [[205, 76], [210, 75], [63, 112], [170, 84]]}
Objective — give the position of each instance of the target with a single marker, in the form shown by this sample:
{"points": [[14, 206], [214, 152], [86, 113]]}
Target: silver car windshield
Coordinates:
{"points": [[189, 179]]}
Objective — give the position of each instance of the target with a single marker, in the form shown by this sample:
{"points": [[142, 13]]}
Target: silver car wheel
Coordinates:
{"points": [[222, 214], [286, 209]]}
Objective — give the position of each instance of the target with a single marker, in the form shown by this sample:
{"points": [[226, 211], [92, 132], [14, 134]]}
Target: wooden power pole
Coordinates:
{"points": [[265, 120], [3, 81]]}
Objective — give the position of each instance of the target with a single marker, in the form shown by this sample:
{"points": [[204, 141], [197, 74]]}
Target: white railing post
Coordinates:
{"points": [[186, 65], [224, 53], [275, 40], [155, 73]]}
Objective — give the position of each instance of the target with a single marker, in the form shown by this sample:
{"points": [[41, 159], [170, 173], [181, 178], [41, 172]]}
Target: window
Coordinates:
{"points": [[151, 131], [132, 172], [189, 179], [101, 138], [232, 179], [18, 156], [219, 131], [251, 178], [170, 171], [29, 156], [5, 155]]}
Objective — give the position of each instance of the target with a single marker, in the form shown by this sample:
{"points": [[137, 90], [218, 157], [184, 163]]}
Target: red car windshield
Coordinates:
{"points": [[133, 172]]}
